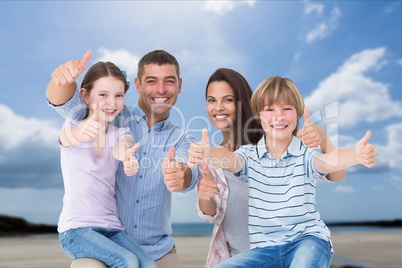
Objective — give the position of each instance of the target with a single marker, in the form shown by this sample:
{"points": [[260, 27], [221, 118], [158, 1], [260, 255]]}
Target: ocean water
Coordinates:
{"points": [[202, 229]]}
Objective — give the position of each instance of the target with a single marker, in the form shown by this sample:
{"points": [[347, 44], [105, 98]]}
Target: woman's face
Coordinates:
{"points": [[221, 105]]}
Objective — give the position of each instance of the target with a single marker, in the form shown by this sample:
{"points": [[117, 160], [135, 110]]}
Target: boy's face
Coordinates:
{"points": [[279, 121], [158, 87]]}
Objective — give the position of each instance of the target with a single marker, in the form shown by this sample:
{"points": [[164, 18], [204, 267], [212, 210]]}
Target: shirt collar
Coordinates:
{"points": [[294, 148], [140, 115]]}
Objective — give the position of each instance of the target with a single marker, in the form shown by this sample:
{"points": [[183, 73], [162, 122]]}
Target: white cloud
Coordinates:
{"points": [[344, 189], [358, 96], [221, 7], [399, 62], [310, 7], [122, 58], [390, 154], [391, 7], [324, 29], [16, 130]]}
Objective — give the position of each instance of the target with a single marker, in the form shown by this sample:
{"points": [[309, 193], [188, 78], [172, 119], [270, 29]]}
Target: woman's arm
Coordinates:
{"points": [[207, 189]]}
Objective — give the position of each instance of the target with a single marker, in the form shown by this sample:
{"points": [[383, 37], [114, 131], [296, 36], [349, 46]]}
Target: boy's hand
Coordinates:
{"points": [[69, 71], [198, 151], [207, 187], [89, 129], [173, 172], [130, 163], [365, 152], [311, 134]]}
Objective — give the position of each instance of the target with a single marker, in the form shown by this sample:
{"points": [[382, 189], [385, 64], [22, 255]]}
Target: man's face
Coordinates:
{"points": [[158, 88]]}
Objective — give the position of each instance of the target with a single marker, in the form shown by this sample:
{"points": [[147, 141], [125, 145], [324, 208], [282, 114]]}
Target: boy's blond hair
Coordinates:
{"points": [[277, 89]]}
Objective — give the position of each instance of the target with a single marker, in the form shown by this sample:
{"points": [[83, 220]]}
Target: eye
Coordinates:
{"points": [[120, 95], [210, 100], [229, 100], [102, 94], [171, 81]]}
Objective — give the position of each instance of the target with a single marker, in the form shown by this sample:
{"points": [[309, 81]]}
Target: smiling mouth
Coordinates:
{"points": [[279, 126], [109, 111], [221, 116], [160, 100]]}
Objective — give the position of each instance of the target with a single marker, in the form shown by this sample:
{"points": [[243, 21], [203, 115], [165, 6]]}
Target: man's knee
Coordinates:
{"points": [[87, 263]]}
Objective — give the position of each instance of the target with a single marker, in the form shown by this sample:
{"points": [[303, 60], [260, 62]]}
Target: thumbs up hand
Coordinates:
{"points": [[130, 163], [69, 71], [199, 151], [365, 152], [311, 134], [207, 187], [88, 129], [173, 172]]}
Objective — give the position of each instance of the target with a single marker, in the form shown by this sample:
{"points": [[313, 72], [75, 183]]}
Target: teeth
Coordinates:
{"points": [[220, 116], [160, 99], [279, 127]]}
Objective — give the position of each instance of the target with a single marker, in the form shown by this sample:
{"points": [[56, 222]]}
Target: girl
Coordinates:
{"points": [[228, 105], [89, 225]]}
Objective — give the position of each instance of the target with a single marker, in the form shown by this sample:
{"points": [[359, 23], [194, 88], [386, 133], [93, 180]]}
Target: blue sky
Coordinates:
{"points": [[345, 57]]}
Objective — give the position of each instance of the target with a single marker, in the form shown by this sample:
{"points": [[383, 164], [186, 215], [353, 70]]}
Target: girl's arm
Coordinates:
{"points": [[340, 159], [84, 131]]}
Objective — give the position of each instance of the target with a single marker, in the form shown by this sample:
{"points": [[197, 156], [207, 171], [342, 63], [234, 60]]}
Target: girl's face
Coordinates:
{"points": [[279, 121], [108, 94], [221, 106]]}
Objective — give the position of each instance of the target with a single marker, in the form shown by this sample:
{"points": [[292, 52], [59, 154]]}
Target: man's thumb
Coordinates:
{"points": [[171, 153], [84, 61]]}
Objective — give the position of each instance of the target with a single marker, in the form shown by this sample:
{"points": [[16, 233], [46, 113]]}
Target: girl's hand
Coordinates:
{"points": [[89, 128], [69, 71], [130, 163]]}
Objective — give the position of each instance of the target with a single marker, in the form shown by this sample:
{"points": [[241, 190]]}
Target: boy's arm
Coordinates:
{"points": [[62, 86], [340, 159], [313, 135]]}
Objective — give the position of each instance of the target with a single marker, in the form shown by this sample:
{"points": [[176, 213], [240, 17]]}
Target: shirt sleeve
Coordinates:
{"points": [[243, 174], [74, 108], [310, 156]]}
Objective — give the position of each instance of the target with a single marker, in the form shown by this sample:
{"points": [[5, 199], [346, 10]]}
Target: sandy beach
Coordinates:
{"points": [[358, 249]]}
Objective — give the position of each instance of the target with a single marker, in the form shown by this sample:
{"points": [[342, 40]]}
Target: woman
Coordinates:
{"points": [[222, 197]]}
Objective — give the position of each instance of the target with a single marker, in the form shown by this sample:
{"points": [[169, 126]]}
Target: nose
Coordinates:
{"points": [[218, 106], [160, 88], [279, 115]]}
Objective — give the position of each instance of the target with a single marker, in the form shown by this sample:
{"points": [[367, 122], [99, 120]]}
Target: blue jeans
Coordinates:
{"points": [[303, 252], [111, 246]]}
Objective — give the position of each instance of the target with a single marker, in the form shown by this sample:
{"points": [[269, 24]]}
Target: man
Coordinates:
{"points": [[143, 200]]}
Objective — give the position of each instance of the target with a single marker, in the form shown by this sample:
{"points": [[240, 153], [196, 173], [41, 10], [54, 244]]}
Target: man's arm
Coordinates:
{"points": [[62, 86]]}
